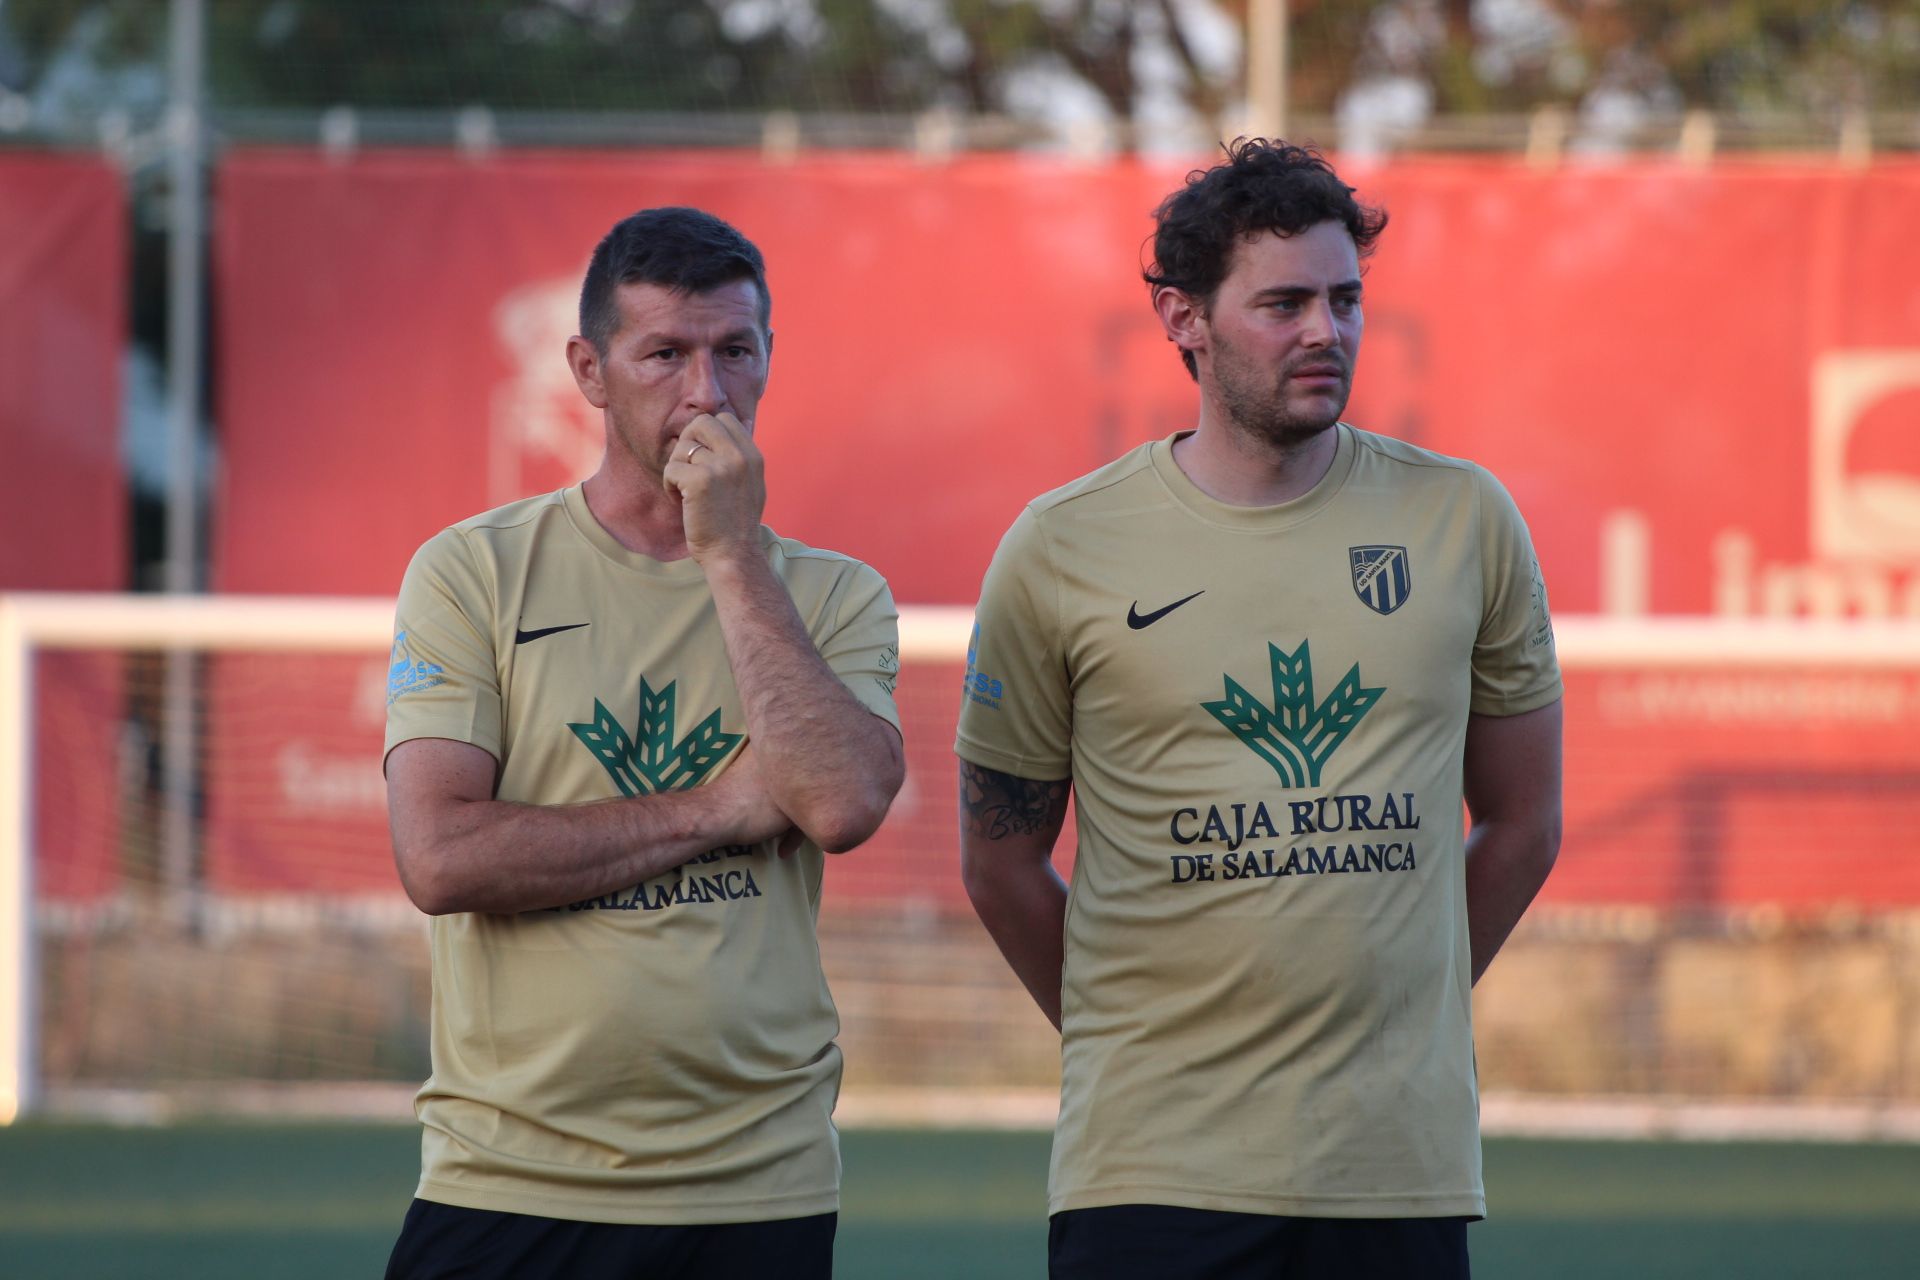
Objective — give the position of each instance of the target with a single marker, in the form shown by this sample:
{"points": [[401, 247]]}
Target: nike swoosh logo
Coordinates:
{"points": [[1138, 620], [521, 637]]}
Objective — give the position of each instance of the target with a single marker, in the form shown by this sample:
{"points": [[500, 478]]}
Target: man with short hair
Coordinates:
{"points": [[1270, 657], [624, 720]]}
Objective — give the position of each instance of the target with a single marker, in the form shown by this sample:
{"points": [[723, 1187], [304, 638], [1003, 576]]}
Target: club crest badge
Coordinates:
{"points": [[1381, 577]]}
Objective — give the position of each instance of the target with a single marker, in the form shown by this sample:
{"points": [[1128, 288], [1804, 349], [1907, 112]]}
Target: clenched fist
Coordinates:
{"points": [[719, 476]]}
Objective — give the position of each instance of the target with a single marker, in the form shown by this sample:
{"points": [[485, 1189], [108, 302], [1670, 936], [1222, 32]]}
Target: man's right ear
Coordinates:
{"points": [[1181, 317], [584, 359]]}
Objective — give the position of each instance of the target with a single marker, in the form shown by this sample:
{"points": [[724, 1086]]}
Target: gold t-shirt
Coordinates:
{"points": [[663, 1054], [1266, 992]]}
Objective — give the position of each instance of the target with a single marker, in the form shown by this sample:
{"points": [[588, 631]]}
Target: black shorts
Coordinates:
{"points": [[1162, 1242], [443, 1241]]}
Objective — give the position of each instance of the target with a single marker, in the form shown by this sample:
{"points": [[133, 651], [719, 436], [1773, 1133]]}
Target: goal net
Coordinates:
{"points": [[200, 911]]}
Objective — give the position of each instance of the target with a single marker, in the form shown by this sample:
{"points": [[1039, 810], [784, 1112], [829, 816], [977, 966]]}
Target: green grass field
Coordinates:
{"points": [[292, 1202]]}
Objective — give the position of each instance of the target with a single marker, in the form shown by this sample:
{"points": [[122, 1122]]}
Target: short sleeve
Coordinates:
{"points": [[1515, 668], [864, 646], [442, 677], [1016, 714]]}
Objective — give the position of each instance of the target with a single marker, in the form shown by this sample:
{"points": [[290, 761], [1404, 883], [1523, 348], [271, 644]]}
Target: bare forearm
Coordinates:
{"points": [[497, 856], [1025, 911], [829, 762], [1506, 865], [1008, 826], [1511, 779]]}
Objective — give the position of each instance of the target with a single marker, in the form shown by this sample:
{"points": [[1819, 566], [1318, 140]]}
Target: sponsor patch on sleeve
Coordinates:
{"points": [[406, 675], [980, 688]]}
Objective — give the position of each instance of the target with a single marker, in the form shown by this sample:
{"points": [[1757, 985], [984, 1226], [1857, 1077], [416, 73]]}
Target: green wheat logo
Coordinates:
{"points": [[1293, 735], [652, 762]]}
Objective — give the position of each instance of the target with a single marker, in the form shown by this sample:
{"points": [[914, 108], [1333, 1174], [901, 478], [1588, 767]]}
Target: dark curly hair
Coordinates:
{"points": [[1261, 186], [687, 250]]}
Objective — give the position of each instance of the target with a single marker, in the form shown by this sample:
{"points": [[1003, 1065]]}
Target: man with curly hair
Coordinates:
{"points": [[1273, 658]]}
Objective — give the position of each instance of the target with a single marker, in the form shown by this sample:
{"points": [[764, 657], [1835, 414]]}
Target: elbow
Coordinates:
{"points": [[843, 840], [1546, 846], [427, 887], [978, 879], [978, 887], [436, 906], [848, 825], [846, 821], [996, 891]]}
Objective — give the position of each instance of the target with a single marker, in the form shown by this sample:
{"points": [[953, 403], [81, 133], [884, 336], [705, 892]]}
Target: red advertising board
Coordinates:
{"points": [[63, 500], [948, 342], [1740, 786], [1684, 787], [1726, 360], [1701, 384], [80, 758], [63, 282]]}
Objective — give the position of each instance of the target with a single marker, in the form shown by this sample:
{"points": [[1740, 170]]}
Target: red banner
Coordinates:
{"points": [[1702, 386], [1685, 787], [85, 844], [1796, 787], [63, 326], [63, 501]]}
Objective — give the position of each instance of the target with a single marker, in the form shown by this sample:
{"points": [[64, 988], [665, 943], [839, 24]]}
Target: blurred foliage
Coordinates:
{"points": [[987, 56], [1806, 54]]}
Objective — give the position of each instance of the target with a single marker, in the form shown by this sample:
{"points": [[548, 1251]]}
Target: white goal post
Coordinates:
{"points": [[32, 624]]}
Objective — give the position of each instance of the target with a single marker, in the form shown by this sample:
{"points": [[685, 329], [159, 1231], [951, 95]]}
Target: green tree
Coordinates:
{"points": [[984, 57]]}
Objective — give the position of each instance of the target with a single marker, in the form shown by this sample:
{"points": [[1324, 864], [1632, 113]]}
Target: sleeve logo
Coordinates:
{"points": [[1541, 633], [977, 685], [405, 675], [1293, 735]]}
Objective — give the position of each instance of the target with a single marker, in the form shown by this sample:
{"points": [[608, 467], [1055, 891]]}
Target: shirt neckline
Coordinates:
{"points": [[1279, 515], [581, 517]]}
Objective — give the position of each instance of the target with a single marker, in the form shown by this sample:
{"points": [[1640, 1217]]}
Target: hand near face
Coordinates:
{"points": [[719, 476]]}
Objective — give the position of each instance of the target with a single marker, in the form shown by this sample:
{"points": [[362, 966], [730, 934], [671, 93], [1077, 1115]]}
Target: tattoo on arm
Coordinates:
{"points": [[997, 805]]}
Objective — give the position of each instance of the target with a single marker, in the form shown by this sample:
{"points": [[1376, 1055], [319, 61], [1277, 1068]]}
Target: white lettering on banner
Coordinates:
{"points": [[311, 782], [1760, 699], [543, 432], [1864, 520], [1862, 513]]}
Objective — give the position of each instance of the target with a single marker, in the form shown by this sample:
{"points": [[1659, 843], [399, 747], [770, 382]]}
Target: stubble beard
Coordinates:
{"points": [[1258, 410], [642, 448]]}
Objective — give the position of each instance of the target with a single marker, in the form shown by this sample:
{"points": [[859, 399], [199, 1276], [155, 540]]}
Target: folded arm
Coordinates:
{"points": [[1008, 826], [459, 849], [828, 761], [1512, 781]]}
